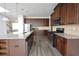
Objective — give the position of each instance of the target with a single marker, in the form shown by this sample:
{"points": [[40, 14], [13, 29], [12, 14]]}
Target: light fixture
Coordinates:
{"points": [[3, 9]]}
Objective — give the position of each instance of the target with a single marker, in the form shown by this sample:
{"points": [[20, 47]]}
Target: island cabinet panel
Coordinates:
{"points": [[17, 47], [4, 50]]}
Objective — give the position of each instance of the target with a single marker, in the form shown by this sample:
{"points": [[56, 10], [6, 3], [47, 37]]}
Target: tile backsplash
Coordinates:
{"points": [[69, 29]]}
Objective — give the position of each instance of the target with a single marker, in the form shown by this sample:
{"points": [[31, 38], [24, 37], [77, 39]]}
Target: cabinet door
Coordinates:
{"points": [[17, 47], [63, 46], [58, 43], [63, 14], [77, 13], [71, 13]]}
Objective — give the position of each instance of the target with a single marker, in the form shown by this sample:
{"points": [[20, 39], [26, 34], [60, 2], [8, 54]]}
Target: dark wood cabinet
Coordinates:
{"points": [[63, 14], [68, 12], [67, 47], [71, 13], [61, 45], [56, 13], [77, 12]]}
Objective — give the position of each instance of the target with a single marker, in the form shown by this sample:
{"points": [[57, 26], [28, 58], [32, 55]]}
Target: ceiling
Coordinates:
{"points": [[27, 9]]}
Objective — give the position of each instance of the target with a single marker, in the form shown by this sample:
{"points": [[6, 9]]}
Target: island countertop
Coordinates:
{"points": [[67, 36], [16, 36]]}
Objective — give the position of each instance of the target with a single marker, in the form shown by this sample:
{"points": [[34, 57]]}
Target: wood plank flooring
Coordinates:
{"points": [[40, 47]]}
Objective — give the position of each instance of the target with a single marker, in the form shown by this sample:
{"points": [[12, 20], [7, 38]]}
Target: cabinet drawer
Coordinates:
{"points": [[4, 51], [17, 47], [3, 41]]}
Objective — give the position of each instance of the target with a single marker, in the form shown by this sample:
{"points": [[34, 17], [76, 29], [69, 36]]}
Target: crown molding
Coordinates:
{"points": [[37, 17]]}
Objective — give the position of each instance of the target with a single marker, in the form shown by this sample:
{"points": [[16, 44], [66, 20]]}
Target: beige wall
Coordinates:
{"points": [[69, 29]]}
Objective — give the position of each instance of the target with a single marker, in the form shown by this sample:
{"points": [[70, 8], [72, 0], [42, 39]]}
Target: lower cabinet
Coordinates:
{"points": [[17, 47], [4, 48], [61, 44], [67, 47]]}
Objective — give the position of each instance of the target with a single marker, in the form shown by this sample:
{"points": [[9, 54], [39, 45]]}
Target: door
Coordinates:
{"points": [[17, 47]]}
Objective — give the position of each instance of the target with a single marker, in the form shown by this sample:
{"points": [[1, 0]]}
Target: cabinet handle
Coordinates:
{"points": [[16, 45]]}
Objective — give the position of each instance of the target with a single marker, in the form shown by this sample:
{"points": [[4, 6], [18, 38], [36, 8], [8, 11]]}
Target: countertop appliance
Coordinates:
{"points": [[59, 30]]}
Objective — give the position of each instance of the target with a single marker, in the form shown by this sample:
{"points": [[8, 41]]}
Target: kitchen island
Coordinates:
{"points": [[66, 44], [16, 44]]}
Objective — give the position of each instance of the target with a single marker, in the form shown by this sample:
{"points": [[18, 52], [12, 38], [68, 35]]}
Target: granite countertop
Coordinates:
{"points": [[15, 36], [67, 36]]}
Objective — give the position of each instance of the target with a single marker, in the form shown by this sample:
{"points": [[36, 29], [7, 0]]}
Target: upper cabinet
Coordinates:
{"points": [[56, 13], [71, 13], [63, 15], [77, 13], [67, 12]]}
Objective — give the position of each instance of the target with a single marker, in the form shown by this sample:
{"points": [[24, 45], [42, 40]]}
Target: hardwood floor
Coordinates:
{"points": [[42, 46]]}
